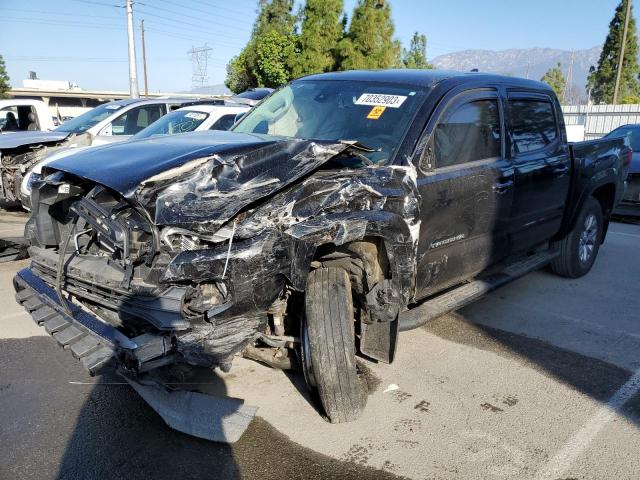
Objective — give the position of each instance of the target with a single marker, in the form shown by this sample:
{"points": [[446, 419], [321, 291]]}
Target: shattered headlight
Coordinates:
{"points": [[180, 239], [28, 181]]}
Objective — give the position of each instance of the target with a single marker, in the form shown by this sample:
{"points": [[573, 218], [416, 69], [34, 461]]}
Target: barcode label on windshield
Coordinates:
{"points": [[380, 99]]}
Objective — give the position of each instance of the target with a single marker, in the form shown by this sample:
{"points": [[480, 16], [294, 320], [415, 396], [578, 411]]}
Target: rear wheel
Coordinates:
{"points": [[579, 249], [328, 345]]}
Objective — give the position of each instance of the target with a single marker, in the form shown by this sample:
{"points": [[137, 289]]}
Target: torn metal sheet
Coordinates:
{"points": [[234, 220], [220, 419]]}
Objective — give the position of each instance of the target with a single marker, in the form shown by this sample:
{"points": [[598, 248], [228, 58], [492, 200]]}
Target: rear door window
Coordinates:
{"points": [[136, 119], [533, 124]]}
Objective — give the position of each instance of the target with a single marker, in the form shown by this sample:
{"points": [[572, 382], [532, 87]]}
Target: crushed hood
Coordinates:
{"points": [[198, 181], [19, 139]]}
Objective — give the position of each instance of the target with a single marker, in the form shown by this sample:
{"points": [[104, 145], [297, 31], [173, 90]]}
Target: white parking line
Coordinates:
{"points": [[563, 460]]}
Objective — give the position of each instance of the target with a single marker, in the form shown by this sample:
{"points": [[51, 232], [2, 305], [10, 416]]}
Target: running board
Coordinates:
{"points": [[468, 293]]}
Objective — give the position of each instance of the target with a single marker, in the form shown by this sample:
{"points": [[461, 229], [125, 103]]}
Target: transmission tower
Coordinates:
{"points": [[199, 60]]}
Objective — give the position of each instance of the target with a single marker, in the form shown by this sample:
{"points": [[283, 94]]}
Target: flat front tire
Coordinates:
{"points": [[328, 345], [579, 249]]}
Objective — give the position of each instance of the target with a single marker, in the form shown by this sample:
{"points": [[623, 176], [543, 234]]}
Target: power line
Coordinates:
{"points": [[199, 30], [193, 9], [64, 23], [189, 38], [199, 19], [213, 5], [179, 22], [45, 12], [35, 58], [99, 3]]}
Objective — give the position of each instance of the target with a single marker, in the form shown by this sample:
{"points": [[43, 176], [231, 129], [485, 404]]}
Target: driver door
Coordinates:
{"points": [[466, 189]]}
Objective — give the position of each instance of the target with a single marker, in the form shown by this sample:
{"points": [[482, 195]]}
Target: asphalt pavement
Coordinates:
{"points": [[539, 379]]}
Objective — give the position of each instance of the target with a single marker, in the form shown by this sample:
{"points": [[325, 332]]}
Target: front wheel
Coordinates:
{"points": [[328, 345], [579, 249]]}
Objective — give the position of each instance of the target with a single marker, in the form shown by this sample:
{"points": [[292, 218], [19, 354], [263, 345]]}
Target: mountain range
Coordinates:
{"points": [[519, 62], [523, 62]]}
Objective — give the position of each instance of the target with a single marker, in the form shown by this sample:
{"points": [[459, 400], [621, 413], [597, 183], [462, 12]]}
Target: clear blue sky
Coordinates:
{"points": [[85, 40]]}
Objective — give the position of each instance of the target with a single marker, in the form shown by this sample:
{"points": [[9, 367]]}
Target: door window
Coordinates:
{"points": [[533, 124], [469, 133], [225, 122], [136, 119]]}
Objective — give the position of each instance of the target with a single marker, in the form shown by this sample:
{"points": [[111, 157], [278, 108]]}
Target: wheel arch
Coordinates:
{"points": [[606, 196]]}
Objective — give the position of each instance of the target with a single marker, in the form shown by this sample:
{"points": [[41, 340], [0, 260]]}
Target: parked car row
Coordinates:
{"points": [[183, 120], [629, 206], [22, 153], [342, 209]]}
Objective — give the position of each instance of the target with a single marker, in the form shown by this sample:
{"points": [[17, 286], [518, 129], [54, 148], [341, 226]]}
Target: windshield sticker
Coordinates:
{"points": [[112, 107], [195, 115], [376, 112], [393, 101]]}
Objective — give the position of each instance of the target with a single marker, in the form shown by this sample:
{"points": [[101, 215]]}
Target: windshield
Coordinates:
{"points": [[634, 134], [87, 120], [178, 121], [374, 114]]}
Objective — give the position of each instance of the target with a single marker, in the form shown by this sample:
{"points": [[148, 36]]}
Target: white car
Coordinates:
{"points": [[187, 119], [194, 118], [24, 114]]}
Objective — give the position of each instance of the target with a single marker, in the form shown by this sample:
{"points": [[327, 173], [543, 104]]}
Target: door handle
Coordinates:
{"points": [[503, 187]]}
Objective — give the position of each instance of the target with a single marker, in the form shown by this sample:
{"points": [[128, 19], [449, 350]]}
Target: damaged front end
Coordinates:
{"points": [[201, 257], [18, 155]]}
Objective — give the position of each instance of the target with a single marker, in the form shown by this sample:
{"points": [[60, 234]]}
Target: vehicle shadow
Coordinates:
{"points": [[117, 435], [590, 376], [57, 422]]}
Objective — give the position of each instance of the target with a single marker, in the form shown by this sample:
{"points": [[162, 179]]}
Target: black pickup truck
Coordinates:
{"points": [[344, 208]]}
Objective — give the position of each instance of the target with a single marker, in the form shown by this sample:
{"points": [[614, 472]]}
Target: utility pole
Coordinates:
{"points": [[133, 74], [624, 42], [144, 61], [528, 67]]}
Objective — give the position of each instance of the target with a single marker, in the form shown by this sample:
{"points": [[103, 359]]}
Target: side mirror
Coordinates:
{"points": [[238, 117]]}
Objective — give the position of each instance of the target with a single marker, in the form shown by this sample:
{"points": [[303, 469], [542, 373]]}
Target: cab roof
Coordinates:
{"points": [[427, 78]]}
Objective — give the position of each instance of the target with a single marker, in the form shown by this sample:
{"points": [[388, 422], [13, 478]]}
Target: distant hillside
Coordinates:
{"points": [[219, 89], [531, 62]]}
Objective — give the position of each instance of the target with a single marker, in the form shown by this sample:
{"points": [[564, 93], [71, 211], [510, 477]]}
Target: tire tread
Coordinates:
{"points": [[329, 316]]}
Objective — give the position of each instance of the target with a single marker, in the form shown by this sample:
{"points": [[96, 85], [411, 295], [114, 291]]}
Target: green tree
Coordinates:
{"points": [[369, 43], [273, 54], [250, 69], [5, 86], [555, 79], [322, 29], [240, 76], [416, 56], [602, 80]]}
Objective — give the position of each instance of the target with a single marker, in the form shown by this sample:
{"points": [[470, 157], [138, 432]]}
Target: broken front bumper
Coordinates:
{"points": [[95, 343]]}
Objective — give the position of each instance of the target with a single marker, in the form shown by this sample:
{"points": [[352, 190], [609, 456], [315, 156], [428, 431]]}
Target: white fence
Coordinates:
{"points": [[594, 121]]}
